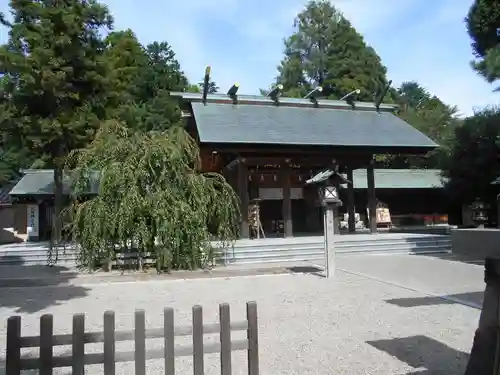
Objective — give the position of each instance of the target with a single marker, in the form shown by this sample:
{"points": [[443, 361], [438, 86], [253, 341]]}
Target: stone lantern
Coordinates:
{"points": [[479, 212], [329, 182]]}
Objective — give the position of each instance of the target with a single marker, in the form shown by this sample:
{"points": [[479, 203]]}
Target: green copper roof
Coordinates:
{"points": [[400, 179], [37, 182], [306, 126]]}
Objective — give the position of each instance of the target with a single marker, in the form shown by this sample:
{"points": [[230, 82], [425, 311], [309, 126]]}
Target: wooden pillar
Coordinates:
{"points": [[287, 200], [372, 198], [243, 194], [351, 207]]}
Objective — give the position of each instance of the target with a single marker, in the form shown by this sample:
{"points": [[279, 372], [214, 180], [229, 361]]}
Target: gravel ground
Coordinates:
{"points": [[308, 324]]}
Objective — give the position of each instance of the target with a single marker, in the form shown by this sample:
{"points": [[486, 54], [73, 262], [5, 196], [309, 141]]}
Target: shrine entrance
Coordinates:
{"points": [[267, 147]]}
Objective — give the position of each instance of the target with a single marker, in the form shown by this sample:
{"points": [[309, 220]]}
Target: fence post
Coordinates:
{"points": [[78, 344], [13, 360], [140, 342], [109, 343], [168, 333], [253, 339], [46, 348], [225, 339], [198, 360]]}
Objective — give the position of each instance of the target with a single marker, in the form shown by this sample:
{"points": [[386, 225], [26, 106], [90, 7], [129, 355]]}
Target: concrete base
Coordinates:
{"points": [[476, 242]]}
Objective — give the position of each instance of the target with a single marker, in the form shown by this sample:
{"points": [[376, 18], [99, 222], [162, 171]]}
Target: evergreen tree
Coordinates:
{"points": [[427, 113], [326, 50], [158, 73], [473, 161], [483, 26], [212, 87], [127, 61], [55, 91]]}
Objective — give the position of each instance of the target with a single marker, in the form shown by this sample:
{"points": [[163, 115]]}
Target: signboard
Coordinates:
{"points": [[32, 220], [271, 194], [383, 216]]}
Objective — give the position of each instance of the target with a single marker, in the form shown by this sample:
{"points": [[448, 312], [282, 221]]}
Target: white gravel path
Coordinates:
{"points": [[308, 325]]}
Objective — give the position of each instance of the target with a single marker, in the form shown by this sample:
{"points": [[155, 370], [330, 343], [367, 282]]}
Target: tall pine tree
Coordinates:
{"points": [[326, 50], [483, 26], [56, 80]]}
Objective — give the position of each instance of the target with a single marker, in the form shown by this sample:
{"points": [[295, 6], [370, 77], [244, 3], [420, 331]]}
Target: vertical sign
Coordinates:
{"points": [[33, 221]]}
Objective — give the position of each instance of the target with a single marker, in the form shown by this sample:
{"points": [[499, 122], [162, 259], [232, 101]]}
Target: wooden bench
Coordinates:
{"points": [[78, 359]]}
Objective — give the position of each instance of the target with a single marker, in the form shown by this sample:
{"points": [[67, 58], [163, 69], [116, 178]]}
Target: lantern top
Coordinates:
{"points": [[327, 175]]}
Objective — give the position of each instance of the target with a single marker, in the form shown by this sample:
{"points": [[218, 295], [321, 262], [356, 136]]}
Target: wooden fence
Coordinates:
{"points": [[77, 360]]}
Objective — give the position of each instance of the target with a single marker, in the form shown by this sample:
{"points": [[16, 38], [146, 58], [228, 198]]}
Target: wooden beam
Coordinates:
{"points": [[287, 201], [243, 194], [372, 198], [351, 208], [303, 161], [285, 149]]}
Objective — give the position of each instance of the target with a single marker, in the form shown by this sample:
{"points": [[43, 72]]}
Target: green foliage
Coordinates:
{"points": [[326, 50], [142, 79], [432, 117], [193, 88], [56, 75], [483, 26], [152, 197], [127, 61], [212, 87], [474, 156], [55, 80]]}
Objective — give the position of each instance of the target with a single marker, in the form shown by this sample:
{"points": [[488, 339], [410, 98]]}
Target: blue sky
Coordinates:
{"points": [[417, 40]]}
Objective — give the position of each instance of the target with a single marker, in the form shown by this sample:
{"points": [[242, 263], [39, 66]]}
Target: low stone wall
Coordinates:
{"points": [[476, 242]]}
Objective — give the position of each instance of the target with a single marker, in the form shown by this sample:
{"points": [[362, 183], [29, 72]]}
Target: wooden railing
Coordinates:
{"points": [[78, 359]]}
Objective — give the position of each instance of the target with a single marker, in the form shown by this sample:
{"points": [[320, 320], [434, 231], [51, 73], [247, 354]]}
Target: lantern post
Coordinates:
{"points": [[328, 190]]}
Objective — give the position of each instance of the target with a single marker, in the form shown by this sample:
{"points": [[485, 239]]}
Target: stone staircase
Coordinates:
{"points": [[295, 249], [34, 254], [312, 248]]}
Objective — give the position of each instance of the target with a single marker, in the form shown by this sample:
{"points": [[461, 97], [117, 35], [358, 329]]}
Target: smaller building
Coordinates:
{"points": [[413, 196]]}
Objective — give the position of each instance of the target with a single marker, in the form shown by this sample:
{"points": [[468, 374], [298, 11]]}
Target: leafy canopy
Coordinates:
{"points": [[427, 113], [326, 50], [151, 192], [474, 159], [55, 75], [483, 26], [212, 87], [142, 79]]}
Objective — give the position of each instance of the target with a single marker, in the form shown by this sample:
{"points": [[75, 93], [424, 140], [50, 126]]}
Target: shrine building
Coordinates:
{"points": [[267, 147]]}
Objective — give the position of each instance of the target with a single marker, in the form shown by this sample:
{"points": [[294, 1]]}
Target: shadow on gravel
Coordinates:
{"points": [[307, 269], [29, 289], [422, 352], [475, 298]]}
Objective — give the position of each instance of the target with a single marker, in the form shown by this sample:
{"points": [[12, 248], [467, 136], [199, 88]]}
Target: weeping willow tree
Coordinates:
{"points": [[152, 198]]}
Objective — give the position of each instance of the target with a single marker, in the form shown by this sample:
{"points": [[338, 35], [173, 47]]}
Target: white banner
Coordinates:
{"points": [[32, 220]]}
